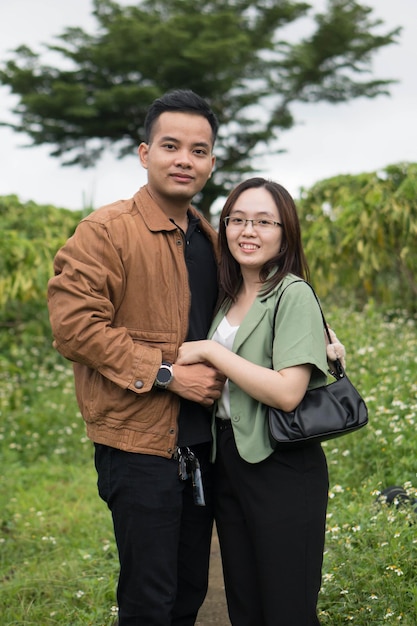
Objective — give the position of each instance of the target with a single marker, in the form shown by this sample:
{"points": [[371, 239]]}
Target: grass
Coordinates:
{"points": [[57, 558], [370, 574], [58, 563]]}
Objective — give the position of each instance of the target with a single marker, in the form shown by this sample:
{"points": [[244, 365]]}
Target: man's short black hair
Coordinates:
{"points": [[181, 101]]}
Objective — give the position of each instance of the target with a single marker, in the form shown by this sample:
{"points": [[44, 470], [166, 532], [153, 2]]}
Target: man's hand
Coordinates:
{"points": [[199, 382]]}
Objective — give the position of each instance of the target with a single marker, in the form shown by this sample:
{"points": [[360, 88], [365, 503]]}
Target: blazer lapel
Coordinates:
{"points": [[253, 317]]}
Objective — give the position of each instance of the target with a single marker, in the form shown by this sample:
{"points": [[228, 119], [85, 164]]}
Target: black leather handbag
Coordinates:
{"points": [[326, 412]]}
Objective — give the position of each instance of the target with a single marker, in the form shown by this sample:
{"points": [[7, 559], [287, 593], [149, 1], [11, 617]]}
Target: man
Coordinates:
{"points": [[137, 279]]}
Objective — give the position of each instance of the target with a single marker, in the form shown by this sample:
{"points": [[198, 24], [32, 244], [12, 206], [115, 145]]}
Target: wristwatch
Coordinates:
{"points": [[164, 375]]}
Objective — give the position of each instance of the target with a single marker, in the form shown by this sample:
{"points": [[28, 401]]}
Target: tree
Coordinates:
{"points": [[233, 53], [360, 236]]}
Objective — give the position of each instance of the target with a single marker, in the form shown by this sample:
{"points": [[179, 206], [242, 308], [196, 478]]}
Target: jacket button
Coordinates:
{"points": [[138, 384]]}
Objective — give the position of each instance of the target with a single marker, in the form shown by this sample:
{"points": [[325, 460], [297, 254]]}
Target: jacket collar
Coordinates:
{"points": [[154, 217], [156, 220]]}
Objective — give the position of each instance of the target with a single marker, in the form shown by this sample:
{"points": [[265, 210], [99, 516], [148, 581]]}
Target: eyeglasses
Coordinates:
{"points": [[239, 223]]}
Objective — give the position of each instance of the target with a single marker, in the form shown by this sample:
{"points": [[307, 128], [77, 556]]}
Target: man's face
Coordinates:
{"points": [[179, 157]]}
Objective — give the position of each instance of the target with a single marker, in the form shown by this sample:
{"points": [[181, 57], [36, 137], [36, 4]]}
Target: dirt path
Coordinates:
{"points": [[214, 609]]}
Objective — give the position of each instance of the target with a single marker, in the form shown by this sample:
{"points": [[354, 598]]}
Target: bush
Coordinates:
{"points": [[360, 235]]}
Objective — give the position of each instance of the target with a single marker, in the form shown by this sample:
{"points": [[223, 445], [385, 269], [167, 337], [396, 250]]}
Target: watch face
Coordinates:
{"points": [[164, 376]]}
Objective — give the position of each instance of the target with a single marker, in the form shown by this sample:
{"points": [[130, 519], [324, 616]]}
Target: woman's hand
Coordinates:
{"points": [[194, 352], [283, 389]]}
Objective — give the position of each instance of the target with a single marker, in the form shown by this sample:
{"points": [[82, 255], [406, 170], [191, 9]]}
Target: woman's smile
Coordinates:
{"points": [[249, 247]]}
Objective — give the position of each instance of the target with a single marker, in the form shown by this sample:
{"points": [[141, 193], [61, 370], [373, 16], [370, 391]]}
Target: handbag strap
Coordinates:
{"points": [[340, 372]]}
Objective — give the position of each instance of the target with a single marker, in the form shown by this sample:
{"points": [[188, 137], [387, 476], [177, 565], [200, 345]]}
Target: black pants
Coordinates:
{"points": [[163, 538], [270, 518]]}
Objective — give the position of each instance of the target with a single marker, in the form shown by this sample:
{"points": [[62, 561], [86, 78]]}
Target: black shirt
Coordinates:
{"points": [[194, 419]]}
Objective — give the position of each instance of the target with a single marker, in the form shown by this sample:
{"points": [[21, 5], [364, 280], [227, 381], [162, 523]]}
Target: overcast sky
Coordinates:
{"points": [[363, 135]]}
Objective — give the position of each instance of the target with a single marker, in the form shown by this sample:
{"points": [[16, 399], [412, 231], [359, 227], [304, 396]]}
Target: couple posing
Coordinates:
{"points": [[169, 328]]}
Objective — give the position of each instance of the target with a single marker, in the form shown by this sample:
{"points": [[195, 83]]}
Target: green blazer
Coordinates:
{"points": [[299, 339]]}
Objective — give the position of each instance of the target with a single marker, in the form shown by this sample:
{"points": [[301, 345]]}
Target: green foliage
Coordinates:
{"points": [[30, 235], [232, 53], [58, 561], [360, 236]]}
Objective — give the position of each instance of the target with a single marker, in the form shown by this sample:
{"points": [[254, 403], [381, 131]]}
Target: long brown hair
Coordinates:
{"points": [[290, 258]]}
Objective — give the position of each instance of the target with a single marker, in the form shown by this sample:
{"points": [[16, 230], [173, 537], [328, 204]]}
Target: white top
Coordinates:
{"points": [[225, 335]]}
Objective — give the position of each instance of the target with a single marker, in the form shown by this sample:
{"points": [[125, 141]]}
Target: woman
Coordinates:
{"points": [[270, 505]]}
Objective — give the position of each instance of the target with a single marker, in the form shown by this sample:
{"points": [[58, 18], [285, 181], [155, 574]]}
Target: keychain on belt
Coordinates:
{"points": [[189, 467]]}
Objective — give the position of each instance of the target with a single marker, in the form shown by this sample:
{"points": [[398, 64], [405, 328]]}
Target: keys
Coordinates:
{"points": [[189, 467]]}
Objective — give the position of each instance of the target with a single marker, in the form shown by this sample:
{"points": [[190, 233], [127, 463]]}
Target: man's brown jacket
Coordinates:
{"points": [[119, 305]]}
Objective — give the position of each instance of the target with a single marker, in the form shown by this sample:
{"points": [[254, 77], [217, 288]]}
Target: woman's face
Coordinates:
{"points": [[252, 245]]}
